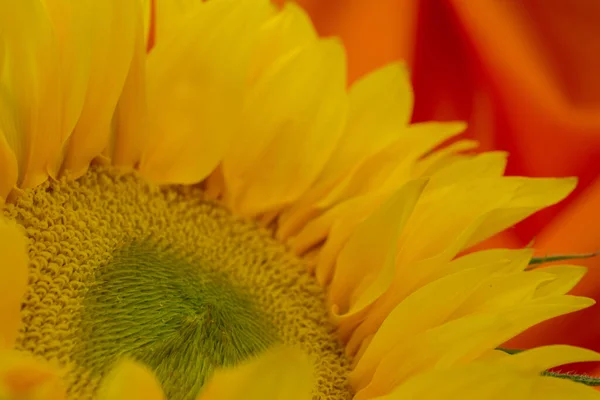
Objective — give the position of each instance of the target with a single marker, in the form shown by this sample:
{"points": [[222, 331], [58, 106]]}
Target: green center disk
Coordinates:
{"points": [[177, 316]]}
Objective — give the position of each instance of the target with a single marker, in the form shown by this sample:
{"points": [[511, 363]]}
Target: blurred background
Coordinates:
{"points": [[525, 75]]}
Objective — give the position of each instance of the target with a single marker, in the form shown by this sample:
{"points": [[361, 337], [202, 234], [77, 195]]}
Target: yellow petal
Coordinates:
{"points": [[506, 260], [489, 380], [473, 189], [528, 196], [437, 263], [365, 267], [113, 26], [130, 380], [410, 282], [440, 347], [287, 31], [278, 39], [424, 309], [147, 18], [335, 226], [445, 346], [443, 157], [130, 119], [359, 169], [13, 279], [526, 315], [9, 169], [502, 291], [431, 135], [196, 83], [281, 373], [543, 358], [71, 22], [409, 277], [389, 168], [340, 232], [296, 115], [565, 279], [486, 165], [23, 377], [493, 355], [380, 106], [378, 177], [30, 79], [473, 382]]}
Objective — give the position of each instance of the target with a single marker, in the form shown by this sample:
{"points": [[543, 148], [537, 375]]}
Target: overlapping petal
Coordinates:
{"points": [[517, 377], [29, 85], [195, 89]]}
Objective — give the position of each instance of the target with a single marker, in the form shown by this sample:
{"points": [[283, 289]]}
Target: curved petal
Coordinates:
{"points": [[380, 109], [489, 380], [281, 373], [296, 112], [8, 162], [130, 380], [130, 128], [30, 84], [565, 279], [543, 358], [445, 346], [13, 279], [24, 377], [424, 309], [527, 197], [482, 264], [195, 87], [71, 21], [366, 265], [113, 30]]}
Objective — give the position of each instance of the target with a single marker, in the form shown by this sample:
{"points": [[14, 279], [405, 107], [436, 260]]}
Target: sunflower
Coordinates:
{"points": [[222, 218]]}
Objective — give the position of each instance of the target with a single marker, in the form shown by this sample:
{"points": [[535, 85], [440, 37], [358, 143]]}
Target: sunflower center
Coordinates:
{"points": [[120, 268], [181, 319]]}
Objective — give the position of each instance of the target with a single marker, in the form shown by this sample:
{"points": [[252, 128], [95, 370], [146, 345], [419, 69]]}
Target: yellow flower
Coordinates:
{"points": [[222, 218]]}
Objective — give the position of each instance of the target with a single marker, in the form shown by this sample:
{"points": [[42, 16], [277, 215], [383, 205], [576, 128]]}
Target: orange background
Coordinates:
{"points": [[525, 74]]}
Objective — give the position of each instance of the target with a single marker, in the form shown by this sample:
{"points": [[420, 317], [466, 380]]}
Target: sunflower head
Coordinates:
{"points": [[197, 206]]}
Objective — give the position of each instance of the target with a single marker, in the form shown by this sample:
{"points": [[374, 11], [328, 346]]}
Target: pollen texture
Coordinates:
{"points": [[122, 268]]}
